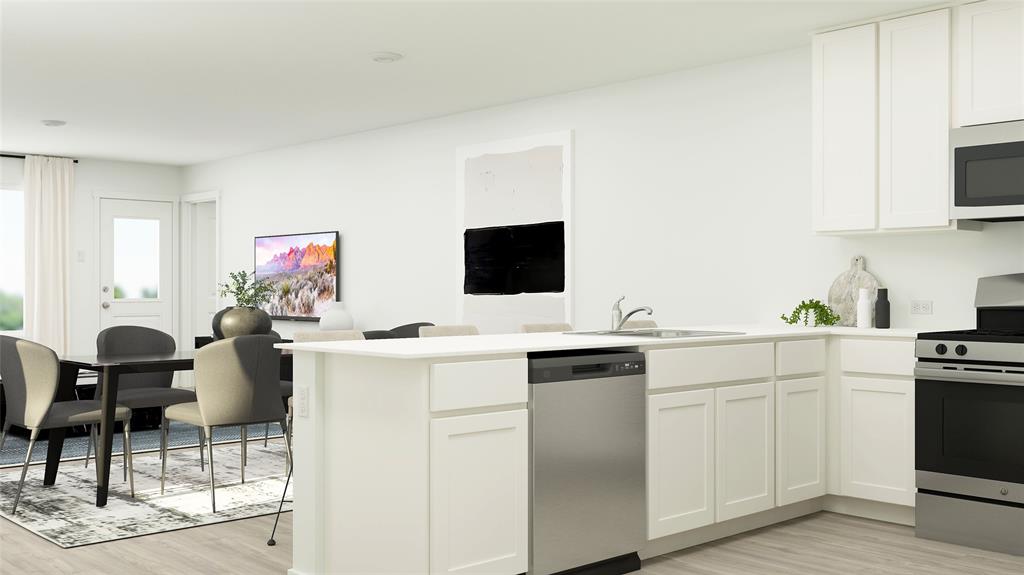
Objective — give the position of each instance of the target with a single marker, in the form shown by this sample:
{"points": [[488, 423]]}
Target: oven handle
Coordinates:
{"points": [[989, 377]]}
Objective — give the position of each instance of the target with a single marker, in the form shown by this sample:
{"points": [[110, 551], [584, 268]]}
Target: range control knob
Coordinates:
{"points": [[941, 349], [960, 349]]}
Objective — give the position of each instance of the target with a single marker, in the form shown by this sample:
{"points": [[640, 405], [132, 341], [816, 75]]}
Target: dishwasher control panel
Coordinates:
{"points": [[585, 364]]}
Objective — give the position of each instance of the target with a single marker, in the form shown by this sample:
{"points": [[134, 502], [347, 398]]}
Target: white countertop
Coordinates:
{"points": [[520, 343]]}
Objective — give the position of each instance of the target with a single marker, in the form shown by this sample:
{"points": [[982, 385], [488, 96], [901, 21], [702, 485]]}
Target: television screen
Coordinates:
{"points": [[303, 268]]}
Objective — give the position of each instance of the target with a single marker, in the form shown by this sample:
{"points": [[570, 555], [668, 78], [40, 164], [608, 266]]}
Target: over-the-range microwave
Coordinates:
{"points": [[987, 172]]}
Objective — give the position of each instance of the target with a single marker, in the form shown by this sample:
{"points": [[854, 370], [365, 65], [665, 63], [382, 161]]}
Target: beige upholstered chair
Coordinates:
{"points": [[30, 374], [545, 327], [143, 390], [237, 384], [444, 330], [639, 324]]}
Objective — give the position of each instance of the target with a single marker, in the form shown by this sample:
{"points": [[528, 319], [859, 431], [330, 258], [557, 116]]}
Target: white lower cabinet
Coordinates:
{"points": [[877, 422], [478, 493], [800, 439], [745, 449], [681, 461]]}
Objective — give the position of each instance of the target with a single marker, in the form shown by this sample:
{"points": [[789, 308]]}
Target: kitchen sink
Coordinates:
{"points": [[658, 332]]}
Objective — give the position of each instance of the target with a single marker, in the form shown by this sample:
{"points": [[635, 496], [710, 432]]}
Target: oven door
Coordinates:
{"points": [[970, 424]]}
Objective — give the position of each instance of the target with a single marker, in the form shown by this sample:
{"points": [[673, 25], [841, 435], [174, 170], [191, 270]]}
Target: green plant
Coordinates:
{"points": [[247, 294], [823, 314]]}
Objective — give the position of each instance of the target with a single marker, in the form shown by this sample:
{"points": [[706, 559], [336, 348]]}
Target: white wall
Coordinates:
{"points": [[692, 195]]}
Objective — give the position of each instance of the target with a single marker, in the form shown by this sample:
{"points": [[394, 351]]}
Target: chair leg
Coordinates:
{"points": [[24, 468], [3, 434], [213, 494], [163, 451], [202, 443], [280, 506], [285, 427], [129, 455], [245, 448], [91, 444], [124, 451], [163, 431], [266, 433]]}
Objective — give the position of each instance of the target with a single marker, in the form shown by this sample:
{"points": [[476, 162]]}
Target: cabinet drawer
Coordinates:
{"points": [[703, 365], [877, 356], [798, 357], [477, 384]]}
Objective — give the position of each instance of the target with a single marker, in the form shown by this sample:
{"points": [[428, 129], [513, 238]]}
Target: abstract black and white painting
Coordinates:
{"points": [[514, 208]]}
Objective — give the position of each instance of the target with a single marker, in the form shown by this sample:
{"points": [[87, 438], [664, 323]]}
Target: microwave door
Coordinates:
{"points": [[988, 172]]}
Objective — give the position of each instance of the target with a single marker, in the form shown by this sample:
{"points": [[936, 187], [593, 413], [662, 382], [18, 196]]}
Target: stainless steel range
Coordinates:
{"points": [[969, 397]]}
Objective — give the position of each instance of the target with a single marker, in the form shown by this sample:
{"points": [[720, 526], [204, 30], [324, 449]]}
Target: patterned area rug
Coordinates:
{"points": [[66, 514]]}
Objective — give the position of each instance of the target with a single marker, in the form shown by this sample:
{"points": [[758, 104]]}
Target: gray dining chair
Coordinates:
{"points": [[143, 390], [31, 374], [639, 324], [446, 330], [545, 327], [237, 384]]}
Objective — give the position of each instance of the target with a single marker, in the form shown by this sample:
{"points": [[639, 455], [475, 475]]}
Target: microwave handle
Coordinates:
{"points": [[961, 376]]}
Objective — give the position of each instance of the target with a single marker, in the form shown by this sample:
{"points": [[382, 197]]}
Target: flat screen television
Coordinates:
{"points": [[303, 269]]}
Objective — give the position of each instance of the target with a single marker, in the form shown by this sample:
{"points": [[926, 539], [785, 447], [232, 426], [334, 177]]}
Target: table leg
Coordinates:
{"points": [[65, 392], [103, 448]]}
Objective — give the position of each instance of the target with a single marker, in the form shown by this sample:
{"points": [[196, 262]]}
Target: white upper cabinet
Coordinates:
{"points": [[990, 62], [914, 121], [844, 124]]}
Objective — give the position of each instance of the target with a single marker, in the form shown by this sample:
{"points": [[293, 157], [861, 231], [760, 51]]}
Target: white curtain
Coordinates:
{"points": [[48, 186]]}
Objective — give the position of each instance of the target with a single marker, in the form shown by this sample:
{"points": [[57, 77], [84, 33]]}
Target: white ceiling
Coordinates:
{"points": [[187, 82]]}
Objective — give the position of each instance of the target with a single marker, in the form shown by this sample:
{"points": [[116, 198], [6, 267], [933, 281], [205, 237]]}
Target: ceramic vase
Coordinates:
{"points": [[236, 321], [337, 317]]}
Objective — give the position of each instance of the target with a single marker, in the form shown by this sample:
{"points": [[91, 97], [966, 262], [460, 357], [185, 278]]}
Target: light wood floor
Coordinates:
{"points": [[820, 544]]}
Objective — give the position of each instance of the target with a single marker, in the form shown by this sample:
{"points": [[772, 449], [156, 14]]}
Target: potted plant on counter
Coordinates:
{"points": [[245, 317]]}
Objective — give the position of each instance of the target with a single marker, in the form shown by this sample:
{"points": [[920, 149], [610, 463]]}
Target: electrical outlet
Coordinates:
{"points": [[301, 401], [921, 307]]}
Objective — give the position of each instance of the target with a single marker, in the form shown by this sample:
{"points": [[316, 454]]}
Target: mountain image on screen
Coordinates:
{"points": [[303, 270]]}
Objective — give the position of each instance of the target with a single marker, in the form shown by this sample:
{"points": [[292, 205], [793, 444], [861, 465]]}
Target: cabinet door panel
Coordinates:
{"points": [[844, 123], [745, 450], [478, 493], [990, 62], [680, 461], [913, 139], [878, 439], [800, 439]]}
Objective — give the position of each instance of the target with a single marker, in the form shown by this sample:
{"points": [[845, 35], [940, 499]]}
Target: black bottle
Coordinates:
{"points": [[882, 309]]}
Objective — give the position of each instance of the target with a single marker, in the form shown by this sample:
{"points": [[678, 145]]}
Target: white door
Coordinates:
{"points": [[204, 267], [136, 263], [877, 460], [680, 461], [913, 137], [745, 449], [800, 439], [990, 62], [844, 126], [478, 493]]}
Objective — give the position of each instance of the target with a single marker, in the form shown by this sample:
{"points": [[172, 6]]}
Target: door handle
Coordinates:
{"points": [[105, 305]]}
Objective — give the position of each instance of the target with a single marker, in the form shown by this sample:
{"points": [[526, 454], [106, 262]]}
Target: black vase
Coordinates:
{"points": [[236, 321], [882, 309]]}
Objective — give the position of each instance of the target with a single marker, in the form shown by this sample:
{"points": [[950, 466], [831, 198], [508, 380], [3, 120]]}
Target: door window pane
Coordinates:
{"points": [[136, 258], [12, 260]]}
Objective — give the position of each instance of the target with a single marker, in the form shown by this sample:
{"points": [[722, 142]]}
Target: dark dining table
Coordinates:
{"points": [[110, 368]]}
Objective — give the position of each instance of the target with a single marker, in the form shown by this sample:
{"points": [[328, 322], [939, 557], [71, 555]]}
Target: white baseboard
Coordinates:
{"points": [[889, 512]]}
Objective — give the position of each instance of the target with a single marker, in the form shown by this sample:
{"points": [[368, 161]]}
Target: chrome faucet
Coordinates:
{"points": [[618, 319]]}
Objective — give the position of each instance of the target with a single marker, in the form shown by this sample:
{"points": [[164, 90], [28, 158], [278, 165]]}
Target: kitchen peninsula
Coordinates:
{"points": [[411, 455]]}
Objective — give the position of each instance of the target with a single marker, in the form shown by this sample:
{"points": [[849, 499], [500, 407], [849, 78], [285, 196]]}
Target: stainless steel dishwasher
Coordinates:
{"points": [[587, 461]]}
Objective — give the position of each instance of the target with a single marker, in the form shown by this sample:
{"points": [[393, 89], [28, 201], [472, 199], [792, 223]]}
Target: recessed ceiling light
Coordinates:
{"points": [[386, 57], [54, 123]]}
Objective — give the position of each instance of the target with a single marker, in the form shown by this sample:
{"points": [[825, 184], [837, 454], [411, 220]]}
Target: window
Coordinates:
{"points": [[12, 260], [136, 258]]}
